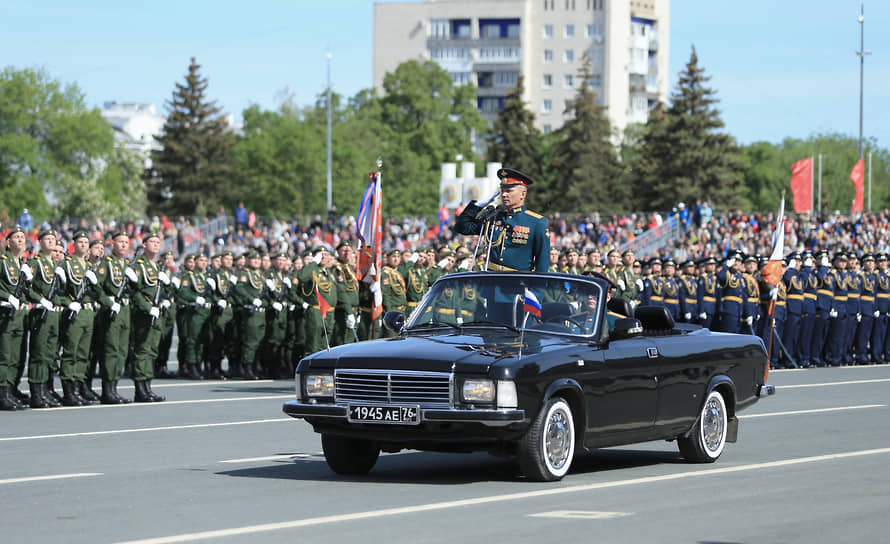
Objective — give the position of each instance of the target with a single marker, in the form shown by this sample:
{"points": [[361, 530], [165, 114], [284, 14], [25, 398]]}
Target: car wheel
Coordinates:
{"points": [[349, 456], [547, 449], [705, 442]]}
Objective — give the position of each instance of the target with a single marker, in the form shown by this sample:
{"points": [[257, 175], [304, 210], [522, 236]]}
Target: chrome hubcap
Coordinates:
{"points": [[712, 425], [557, 439]]}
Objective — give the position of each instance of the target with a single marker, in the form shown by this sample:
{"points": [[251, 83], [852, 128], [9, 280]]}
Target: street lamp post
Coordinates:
{"points": [[329, 197], [861, 54]]}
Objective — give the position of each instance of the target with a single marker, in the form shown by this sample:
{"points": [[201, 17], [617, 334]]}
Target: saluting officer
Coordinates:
{"points": [[346, 312], [732, 294], [315, 280], [416, 281], [146, 312], [688, 292]]}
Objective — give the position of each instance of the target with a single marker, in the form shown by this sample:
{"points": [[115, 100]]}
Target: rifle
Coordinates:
{"points": [[125, 284], [19, 289], [39, 317], [156, 300], [81, 292]]}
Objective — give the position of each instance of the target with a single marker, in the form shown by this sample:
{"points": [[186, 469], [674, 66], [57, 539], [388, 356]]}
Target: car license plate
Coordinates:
{"points": [[375, 413]]}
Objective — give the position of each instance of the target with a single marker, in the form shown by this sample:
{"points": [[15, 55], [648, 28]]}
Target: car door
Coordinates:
{"points": [[683, 372]]}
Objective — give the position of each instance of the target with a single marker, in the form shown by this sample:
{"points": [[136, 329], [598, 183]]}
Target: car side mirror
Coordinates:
{"points": [[394, 320], [626, 327]]}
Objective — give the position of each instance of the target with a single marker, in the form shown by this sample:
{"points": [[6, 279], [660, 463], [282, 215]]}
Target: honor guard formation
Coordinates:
{"points": [[93, 311]]}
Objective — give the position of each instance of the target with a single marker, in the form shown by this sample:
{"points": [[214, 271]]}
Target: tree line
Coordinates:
{"points": [[58, 157]]}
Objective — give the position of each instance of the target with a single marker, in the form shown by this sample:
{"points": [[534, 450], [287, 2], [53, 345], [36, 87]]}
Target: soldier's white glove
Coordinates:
{"points": [[808, 261], [75, 306], [287, 282], [442, 263], [792, 263], [305, 305], [749, 320], [270, 284], [131, 275], [773, 293], [757, 318], [222, 303], [176, 281], [292, 307], [358, 319], [825, 261], [165, 304], [460, 321], [155, 312], [91, 276], [687, 316], [61, 274], [730, 263], [639, 284], [833, 313], [115, 307], [233, 278], [165, 279], [488, 200], [317, 257], [199, 301], [46, 304], [350, 321], [257, 302], [858, 318], [277, 306], [374, 287], [413, 258], [877, 313], [621, 285], [14, 302], [26, 270], [703, 316], [212, 283]]}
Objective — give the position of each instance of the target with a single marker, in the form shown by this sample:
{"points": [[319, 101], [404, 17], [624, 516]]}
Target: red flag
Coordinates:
{"points": [[370, 232], [857, 176], [802, 185], [323, 305]]}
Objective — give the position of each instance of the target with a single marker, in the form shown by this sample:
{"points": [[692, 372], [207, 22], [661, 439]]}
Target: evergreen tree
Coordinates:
{"points": [[194, 172], [586, 168], [514, 140]]}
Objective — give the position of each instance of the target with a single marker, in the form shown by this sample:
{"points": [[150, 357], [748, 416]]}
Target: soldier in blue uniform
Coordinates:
{"points": [[882, 305], [707, 293], [752, 292], [834, 349], [671, 289], [688, 293], [652, 293], [732, 294], [808, 311], [854, 313], [824, 301], [794, 288], [520, 242], [867, 308]]}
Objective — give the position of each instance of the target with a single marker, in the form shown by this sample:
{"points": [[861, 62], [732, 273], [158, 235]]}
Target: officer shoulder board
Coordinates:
{"points": [[533, 214]]}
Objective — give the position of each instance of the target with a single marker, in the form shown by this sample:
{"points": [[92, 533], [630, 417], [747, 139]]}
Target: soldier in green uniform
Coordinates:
{"points": [[368, 327], [613, 269], [392, 287], [14, 278], [296, 331], [247, 297], [416, 281], [318, 273], [76, 324], [114, 319], [433, 270], [572, 265], [220, 327], [181, 313], [44, 324], [193, 300], [346, 312], [522, 242], [630, 291], [168, 316], [146, 312], [95, 256], [276, 316]]}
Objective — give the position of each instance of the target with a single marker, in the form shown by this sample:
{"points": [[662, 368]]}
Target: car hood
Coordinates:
{"points": [[462, 353]]}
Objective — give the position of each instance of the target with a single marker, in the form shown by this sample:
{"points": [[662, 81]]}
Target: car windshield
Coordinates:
{"points": [[553, 303]]}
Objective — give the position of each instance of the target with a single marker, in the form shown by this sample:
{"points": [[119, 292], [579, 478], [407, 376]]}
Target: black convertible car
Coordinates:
{"points": [[533, 365]]}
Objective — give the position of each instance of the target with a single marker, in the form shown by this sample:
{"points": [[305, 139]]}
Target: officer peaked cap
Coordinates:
{"points": [[510, 177]]}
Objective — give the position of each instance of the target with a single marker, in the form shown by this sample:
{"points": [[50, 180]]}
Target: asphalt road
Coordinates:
{"points": [[220, 462]]}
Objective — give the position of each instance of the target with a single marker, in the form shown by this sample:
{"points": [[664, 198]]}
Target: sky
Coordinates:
{"points": [[780, 68]]}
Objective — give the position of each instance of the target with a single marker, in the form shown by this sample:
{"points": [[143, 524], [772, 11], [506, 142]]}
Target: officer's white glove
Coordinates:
{"points": [[792, 263], [350, 321], [488, 200], [212, 283], [639, 284], [358, 319], [825, 260], [575, 305], [233, 278], [317, 257], [858, 318], [413, 258], [687, 316], [257, 302], [131, 275], [621, 285], [26, 270], [115, 307], [91, 276], [176, 281], [199, 301], [270, 284], [808, 261], [833, 313], [75, 306], [773, 293], [287, 282], [277, 306], [155, 312], [442, 263], [165, 279], [165, 304], [749, 320], [703, 316], [877, 313], [757, 318], [730, 263], [291, 307], [374, 287], [61, 274], [14, 302], [460, 321], [465, 264], [222, 303], [305, 305], [46, 304]]}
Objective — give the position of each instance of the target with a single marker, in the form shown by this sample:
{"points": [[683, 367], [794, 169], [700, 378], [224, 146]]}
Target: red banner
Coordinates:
{"points": [[323, 305], [802, 185], [857, 176]]}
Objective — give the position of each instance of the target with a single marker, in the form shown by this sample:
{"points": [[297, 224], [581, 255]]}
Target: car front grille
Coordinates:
{"points": [[392, 387]]}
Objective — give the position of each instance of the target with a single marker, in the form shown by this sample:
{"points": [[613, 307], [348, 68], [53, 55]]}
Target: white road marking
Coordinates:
{"points": [[580, 514], [829, 384], [145, 429], [50, 477], [280, 457], [814, 411], [169, 402], [550, 491], [158, 384]]}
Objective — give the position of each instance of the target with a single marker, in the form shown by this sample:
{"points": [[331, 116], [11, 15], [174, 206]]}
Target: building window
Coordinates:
{"points": [[547, 106], [499, 54], [461, 78], [569, 81], [506, 80], [570, 31], [439, 28], [548, 129], [548, 31], [490, 104], [548, 81], [460, 28], [548, 55], [595, 32], [596, 80], [569, 55]]}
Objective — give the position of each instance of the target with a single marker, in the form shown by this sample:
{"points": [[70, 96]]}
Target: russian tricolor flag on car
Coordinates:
{"points": [[531, 304]]}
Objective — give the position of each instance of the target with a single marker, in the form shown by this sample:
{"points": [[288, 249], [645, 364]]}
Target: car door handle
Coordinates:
{"points": [[652, 352]]}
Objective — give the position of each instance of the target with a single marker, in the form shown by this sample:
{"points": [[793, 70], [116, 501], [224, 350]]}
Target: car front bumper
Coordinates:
{"points": [[490, 418]]}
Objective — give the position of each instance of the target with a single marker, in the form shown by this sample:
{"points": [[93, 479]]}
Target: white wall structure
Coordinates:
{"points": [[455, 190], [135, 126]]}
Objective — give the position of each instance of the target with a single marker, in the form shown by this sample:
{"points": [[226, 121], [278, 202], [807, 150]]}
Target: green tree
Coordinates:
{"points": [[513, 139], [585, 163], [194, 173]]}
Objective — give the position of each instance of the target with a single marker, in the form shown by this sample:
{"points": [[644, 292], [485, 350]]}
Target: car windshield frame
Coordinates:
{"points": [[498, 300]]}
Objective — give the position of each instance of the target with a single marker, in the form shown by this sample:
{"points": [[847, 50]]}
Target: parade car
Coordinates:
{"points": [[534, 365]]}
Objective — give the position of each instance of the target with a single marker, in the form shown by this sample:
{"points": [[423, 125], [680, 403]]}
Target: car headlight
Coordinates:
{"points": [[478, 391], [319, 385]]}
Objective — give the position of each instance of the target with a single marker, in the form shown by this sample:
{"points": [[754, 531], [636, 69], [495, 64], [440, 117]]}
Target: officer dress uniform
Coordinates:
{"points": [[392, 287], [318, 328], [808, 312], [44, 336], [882, 305], [854, 312], [752, 305], [794, 287], [12, 328], [823, 320], [221, 335], [416, 285], [251, 308], [165, 325], [193, 302], [671, 292], [689, 308], [708, 295], [146, 330], [732, 299], [76, 327], [114, 327], [866, 310], [276, 322], [836, 343], [347, 303]]}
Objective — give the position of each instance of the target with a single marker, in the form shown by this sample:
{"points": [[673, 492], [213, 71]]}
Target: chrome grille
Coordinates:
{"points": [[392, 387]]}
